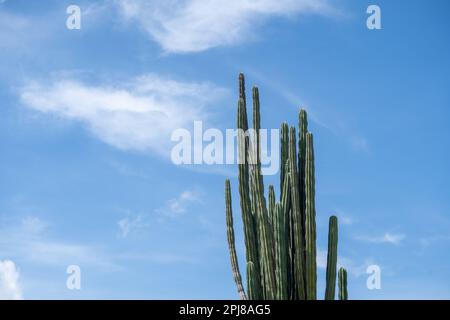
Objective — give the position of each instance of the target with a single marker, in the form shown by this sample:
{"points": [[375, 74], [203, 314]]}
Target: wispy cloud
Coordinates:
{"points": [[139, 115], [130, 224], [389, 238], [177, 206], [9, 281], [183, 26]]}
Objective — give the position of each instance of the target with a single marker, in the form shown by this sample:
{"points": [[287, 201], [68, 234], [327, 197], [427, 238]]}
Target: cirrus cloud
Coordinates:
{"points": [[197, 25]]}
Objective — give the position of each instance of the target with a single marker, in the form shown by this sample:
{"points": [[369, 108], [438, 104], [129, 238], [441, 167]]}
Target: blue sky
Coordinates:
{"points": [[86, 117]]}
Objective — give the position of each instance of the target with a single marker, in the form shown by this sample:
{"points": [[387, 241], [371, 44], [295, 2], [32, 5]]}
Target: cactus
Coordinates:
{"points": [[280, 237], [343, 295], [331, 259], [230, 236]]}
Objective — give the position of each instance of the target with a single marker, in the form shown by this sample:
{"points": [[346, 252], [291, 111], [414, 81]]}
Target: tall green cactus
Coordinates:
{"points": [[280, 237], [343, 295], [231, 242], [331, 259]]}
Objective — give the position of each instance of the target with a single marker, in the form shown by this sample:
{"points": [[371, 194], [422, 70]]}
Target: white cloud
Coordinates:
{"points": [[178, 205], [140, 114], [130, 224], [183, 26], [390, 238], [9, 281]]}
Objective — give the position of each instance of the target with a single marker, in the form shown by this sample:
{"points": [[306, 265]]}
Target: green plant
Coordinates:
{"points": [[280, 238], [343, 295]]}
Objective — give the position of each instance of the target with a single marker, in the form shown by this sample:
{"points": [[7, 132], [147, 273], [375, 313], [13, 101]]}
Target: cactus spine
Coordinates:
{"points": [[280, 237]]}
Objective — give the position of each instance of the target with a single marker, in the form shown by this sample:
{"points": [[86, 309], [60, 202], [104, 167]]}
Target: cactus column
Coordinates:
{"points": [[331, 259], [343, 295], [231, 242], [280, 237]]}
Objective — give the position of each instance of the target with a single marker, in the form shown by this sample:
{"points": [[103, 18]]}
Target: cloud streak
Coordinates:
{"points": [[197, 25], [388, 238], [138, 115]]}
